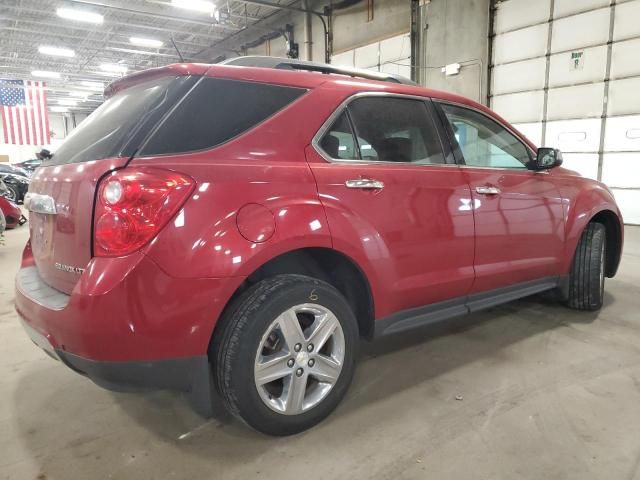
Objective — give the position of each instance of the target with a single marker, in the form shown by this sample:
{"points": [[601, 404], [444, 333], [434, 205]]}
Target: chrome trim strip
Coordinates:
{"points": [[39, 203]]}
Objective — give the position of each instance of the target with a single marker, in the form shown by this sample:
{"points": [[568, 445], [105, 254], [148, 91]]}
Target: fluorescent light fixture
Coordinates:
{"points": [[78, 93], [195, 5], [145, 42], [56, 51], [59, 109], [79, 15], [93, 85], [67, 102], [113, 68], [45, 74]]}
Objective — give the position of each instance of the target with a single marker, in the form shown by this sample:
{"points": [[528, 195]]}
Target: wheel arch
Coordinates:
{"points": [[614, 231], [323, 263]]}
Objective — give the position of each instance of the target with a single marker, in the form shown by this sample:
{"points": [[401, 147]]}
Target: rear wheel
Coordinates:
{"points": [[586, 280], [285, 353]]}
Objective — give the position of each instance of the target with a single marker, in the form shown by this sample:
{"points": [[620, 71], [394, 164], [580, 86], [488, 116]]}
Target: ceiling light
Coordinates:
{"points": [[113, 68], [56, 51], [45, 73], [59, 109], [68, 103], [78, 93], [145, 42], [93, 85], [79, 15], [196, 5]]}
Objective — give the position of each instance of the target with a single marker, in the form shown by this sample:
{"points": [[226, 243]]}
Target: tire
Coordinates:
{"points": [[3, 222], [251, 332], [586, 280]]}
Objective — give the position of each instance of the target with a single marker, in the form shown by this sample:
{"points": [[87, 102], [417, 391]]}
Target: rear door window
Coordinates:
{"points": [[216, 111], [120, 124]]}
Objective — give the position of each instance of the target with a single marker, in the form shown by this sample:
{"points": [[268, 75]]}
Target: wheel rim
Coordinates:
{"points": [[299, 359], [12, 195]]}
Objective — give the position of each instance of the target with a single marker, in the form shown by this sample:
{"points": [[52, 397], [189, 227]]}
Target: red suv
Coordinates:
{"points": [[242, 227]]}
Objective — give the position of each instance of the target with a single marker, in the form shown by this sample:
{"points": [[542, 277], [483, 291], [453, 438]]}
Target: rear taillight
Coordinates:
{"points": [[133, 206]]}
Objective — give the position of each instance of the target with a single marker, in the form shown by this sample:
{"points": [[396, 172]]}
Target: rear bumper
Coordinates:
{"points": [[191, 375], [127, 324]]}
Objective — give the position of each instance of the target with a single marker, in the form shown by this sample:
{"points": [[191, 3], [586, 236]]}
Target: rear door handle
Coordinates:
{"points": [[487, 190], [365, 184]]}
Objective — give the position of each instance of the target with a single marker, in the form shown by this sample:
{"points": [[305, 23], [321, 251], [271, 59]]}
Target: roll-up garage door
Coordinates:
{"points": [[391, 55], [566, 73]]}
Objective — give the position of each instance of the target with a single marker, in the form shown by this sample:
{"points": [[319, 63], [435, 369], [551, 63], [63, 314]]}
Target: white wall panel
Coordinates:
{"points": [[574, 135], [562, 8], [583, 30], [581, 101], [586, 164], [404, 70], [626, 22], [344, 59], [593, 67], [367, 56], [395, 48], [621, 170], [519, 76], [521, 44], [624, 98], [520, 107], [533, 131], [629, 203], [624, 59], [520, 13], [622, 134]]}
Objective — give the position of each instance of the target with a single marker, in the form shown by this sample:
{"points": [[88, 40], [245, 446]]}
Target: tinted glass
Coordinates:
{"points": [[120, 124], [395, 130], [216, 111], [339, 141], [484, 143]]}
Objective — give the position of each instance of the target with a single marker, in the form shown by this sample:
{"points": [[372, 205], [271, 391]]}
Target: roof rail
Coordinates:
{"points": [[292, 64]]}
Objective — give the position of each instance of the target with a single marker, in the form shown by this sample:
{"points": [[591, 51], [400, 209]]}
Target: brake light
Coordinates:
{"points": [[133, 206]]}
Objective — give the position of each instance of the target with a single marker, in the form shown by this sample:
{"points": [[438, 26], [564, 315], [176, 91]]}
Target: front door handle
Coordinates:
{"points": [[365, 183], [487, 190]]}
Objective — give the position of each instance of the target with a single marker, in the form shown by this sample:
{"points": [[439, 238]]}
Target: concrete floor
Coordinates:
{"points": [[543, 393]]}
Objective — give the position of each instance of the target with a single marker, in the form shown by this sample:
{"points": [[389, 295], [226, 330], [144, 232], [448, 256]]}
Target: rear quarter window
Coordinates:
{"points": [[120, 124], [216, 111]]}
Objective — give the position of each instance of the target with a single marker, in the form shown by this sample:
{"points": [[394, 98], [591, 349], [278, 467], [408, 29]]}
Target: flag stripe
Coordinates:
{"points": [[47, 135], [31, 111], [5, 129], [36, 114]]}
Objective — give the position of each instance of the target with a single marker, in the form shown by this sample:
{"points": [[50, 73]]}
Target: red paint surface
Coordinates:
{"points": [[426, 237]]}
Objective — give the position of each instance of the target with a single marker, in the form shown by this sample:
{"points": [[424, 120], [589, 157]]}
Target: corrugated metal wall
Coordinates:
{"points": [[567, 74], [391, 55]]}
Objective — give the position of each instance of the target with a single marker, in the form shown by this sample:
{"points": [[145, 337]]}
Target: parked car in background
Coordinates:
{"points": [[32, 164], [13, 169], [245, 227], [29, 165], [11, 212], [17, 186]]}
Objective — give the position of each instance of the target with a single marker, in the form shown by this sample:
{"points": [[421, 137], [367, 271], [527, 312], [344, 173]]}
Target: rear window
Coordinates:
{"points": [[216, 111], [121, 123]]}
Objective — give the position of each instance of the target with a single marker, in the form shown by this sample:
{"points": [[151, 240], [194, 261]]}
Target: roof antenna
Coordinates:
{"points": [[176, 47]]}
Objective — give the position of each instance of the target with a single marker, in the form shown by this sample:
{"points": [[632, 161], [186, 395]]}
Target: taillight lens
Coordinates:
{"points": [[133, 206]]}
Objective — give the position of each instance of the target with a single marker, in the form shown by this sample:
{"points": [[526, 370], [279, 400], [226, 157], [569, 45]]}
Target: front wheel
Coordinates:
{"points": [[586, 280], [285, 353]]}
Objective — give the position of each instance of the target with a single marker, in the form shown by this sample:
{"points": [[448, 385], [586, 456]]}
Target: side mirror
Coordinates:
{"points": [[547, 158]]}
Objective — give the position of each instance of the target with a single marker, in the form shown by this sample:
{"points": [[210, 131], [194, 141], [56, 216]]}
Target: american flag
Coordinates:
{"points": [[25, 119]]}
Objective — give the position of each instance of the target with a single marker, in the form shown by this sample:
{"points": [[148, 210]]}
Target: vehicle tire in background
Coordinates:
{"points": [[586, 280], [284, 353], [13, 193]]}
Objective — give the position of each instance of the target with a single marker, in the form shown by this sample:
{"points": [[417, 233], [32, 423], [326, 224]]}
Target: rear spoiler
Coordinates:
{"points": [[176, 69]]}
